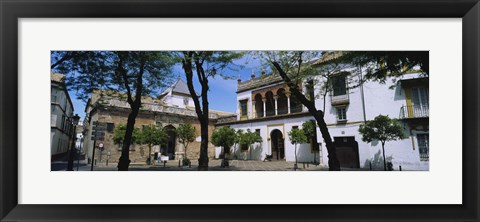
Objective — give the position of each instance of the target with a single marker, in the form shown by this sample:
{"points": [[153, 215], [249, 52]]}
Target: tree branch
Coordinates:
{"points": [[121, 70], [139, 83], [187, 67]]}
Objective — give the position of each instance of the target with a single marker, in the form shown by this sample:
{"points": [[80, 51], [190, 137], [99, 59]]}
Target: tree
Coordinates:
{"points": [[119, 135], [186, 134], [310, 130], [248, 139], [383, 129], [152, 135], [135, 73], [224, 137], [206, 64], [291, 66], [238, 135], [379, 65], [297, 136]]}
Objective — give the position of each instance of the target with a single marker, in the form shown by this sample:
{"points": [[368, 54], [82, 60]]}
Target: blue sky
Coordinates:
{"points": [[222, 94]]}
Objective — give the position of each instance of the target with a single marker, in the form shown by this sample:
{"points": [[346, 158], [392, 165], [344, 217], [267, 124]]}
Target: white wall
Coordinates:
{"points": [[60, 106], [176, 100], [379, 99], [260, 150]]}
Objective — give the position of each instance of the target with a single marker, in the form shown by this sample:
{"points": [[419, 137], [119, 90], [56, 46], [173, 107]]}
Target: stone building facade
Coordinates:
{"points": [[169, 110]]}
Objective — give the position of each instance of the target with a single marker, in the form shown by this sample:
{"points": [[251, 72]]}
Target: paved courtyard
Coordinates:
{"points": [[214, 165]]}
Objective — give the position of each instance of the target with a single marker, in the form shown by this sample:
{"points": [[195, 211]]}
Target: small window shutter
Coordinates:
{"points": [[110, 127]]}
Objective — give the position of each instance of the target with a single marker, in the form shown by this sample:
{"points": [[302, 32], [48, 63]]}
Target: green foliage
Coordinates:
{"points": [[238, 135], [119, 134], [297, 136], [224, 137], [383, 129], [91, 70], [248, 138], [382, 64], [186, 161], [152, 135], [309, 128], [185, 134], [295, 63]]}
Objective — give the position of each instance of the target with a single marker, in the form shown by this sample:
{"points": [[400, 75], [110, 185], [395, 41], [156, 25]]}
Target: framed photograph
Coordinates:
{"points": [[265, 110]]}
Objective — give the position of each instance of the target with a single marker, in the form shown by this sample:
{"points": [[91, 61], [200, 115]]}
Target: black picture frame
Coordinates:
{"points": [[11, 11]]}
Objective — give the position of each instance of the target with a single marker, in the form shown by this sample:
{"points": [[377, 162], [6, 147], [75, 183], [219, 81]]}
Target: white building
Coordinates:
{"points": [[266, 106], [177, 95], [61, 128]]}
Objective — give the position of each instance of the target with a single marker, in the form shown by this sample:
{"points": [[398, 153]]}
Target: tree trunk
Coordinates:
{"points": [[71, 154], [203, 160], [124, 160], [202, 111], [295, 157], [149, 154], [384, 160], [185, 148], [333, 163]]}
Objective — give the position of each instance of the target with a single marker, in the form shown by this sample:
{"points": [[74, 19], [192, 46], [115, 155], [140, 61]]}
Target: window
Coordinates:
{"points": [[310, 91], [342, 114], [420, 96], [244, 147], [110, 127], [294, 127], [257, 131], [59, 145], [423, 146], [243, 107], [419, 102], [53, 98], [339, 86], [63, 123]]}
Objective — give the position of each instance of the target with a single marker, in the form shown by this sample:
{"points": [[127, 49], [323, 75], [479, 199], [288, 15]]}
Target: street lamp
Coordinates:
{"points": [[71, 156]]}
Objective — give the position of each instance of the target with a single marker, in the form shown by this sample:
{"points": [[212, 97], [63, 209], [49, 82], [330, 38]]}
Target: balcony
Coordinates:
{"points": [[414, 111], [340, 100], [269, 113]]}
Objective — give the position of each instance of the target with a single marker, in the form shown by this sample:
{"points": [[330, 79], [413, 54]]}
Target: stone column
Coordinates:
{"points": [[275, 97], [304, 92], [288, 101], [254, 111], [264, 100]]}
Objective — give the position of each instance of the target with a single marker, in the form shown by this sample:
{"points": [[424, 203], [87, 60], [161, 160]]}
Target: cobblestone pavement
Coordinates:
{"points": [[214, 165]]}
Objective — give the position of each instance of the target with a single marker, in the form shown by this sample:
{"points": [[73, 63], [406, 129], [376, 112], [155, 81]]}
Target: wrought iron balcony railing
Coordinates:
{"points": [[413, 111]]}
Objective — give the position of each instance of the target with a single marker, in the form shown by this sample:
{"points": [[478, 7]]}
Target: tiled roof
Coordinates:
{"points": [[178, 87], [263, 80]]}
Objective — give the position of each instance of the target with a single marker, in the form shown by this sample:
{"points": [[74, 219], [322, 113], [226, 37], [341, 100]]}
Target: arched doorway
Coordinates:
{"points": [[277, 145], [168, 149]]}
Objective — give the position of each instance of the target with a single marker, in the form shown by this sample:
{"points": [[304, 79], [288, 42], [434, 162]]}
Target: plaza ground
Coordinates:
{"points": [[214, 165]]}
